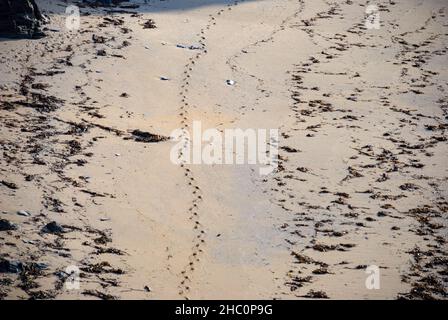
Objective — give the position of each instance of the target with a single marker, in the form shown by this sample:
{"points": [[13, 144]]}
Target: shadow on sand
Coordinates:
{"points": [[155, 5], [125, 7]]}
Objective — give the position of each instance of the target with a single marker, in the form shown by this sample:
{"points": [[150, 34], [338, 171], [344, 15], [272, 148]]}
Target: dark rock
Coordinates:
{"points": [[20, 19], [5, 225], [37, 266], [7, 266], [10, 185], [53, 227], [142, 136]]}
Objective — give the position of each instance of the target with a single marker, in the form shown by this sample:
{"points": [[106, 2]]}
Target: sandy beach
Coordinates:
{"points": [[87, 184]]}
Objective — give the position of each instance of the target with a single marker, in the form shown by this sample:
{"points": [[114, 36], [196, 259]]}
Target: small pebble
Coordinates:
{"points": [[23, 213]]}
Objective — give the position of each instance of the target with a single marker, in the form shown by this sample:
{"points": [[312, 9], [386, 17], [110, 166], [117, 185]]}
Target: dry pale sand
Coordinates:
{"points": [[362, 179]]}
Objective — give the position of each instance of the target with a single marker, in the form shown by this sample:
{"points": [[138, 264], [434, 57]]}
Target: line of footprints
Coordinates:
{"points": [[193, 210]]}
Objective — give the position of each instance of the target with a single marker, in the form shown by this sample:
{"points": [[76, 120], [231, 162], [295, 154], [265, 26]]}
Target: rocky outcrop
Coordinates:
{"points": [[21, 19]]}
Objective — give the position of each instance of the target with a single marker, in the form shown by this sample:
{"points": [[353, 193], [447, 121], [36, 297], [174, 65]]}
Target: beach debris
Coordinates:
{"points": [[10, 185], [40, 86], [290, 149], [41, 102], [321, 270], [143, 136], [190, 47], [230, 82], [302, 258], [93, 193], [409, 187], [316, 295], [102, 250], [101, 267], [23, 213], [53, 227], [164, 78], [111, 20], [124, 95], [324, 247], [6, 225], [125, 43], [298, 282], [103, 239], [149, 24], [99, 294], [147, 289], [337, 233], [382, 214], [98, 39], [101, 52], [74, 147], [125, 30]]}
